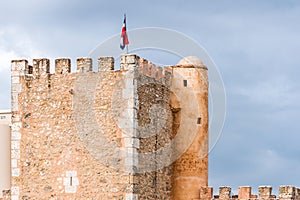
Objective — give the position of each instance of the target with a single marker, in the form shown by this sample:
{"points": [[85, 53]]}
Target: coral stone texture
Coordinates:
{"points": [[140, 132]]}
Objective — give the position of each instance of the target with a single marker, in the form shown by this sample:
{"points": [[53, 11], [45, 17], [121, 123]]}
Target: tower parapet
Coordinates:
{"points": [[149, 69]]}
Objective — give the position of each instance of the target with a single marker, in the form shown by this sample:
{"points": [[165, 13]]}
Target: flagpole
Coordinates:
{"points": [[126, 49]]}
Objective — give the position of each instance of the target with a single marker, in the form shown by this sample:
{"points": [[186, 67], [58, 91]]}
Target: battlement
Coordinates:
{"points": [[41, 66], [244, 193], [149, 69]]}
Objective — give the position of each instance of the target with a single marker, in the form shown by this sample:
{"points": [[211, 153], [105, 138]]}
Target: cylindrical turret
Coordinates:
{"points": [[190, 88]]}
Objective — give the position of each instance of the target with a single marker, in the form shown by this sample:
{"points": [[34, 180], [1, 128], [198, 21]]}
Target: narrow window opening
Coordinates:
{"points": [[199, 120], [71, 181], [185, 83], [30, 69]]}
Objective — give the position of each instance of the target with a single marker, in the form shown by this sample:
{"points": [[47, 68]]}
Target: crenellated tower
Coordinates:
{"points": [[140, 132]]}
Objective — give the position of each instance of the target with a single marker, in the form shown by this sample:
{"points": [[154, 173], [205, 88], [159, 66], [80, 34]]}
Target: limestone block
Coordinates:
{"points": [[244, 192], [16, 88], [41, 67], [131, 142], [15, 190], [265, 192], [224, 193], [286, 192], [131, 196], [129, 62], [206, 193], [14, 197], [19, 65], [16, 135], [128, 93], [84, 65], [15, 172], [129, 59], [15, 154], [15, 80], [106, 64], [14, 163], [62, 66], [15, 144]]}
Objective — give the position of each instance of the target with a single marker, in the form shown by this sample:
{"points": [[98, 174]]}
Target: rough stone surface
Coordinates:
{"points": [[244, 192], [136, 133]]}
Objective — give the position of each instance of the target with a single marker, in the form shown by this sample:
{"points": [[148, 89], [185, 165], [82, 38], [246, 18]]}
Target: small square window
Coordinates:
{"points": [[3, 117]]}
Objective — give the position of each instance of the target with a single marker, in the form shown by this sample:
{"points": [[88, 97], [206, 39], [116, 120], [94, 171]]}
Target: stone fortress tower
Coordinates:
{"points": [[140, 132]]}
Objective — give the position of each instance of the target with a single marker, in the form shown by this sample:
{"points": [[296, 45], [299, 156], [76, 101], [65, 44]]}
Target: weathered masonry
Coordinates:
{"points": [[140, 132], [244, 193]]}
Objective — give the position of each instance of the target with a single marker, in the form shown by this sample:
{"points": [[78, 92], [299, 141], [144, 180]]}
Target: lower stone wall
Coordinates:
{"points": [[244, 193]]}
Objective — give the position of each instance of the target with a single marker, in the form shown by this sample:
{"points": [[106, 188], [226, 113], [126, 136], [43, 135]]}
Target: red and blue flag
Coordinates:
{"points": [[124, 38]]}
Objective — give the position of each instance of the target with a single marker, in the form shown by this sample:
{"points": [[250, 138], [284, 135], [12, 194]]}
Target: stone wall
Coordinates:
{"points": [[56, 131], [244, 193], [155, 121], [108, 134]]}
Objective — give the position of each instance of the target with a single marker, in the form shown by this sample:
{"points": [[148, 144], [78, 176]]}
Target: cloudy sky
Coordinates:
{"points": [[255, 45]]}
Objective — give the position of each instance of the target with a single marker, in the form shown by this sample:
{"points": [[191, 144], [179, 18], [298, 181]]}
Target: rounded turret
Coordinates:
{"points": [[191, 61], [190, 170]]}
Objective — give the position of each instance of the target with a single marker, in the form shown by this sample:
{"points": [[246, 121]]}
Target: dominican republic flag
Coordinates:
{"points": [[124, 39]]}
